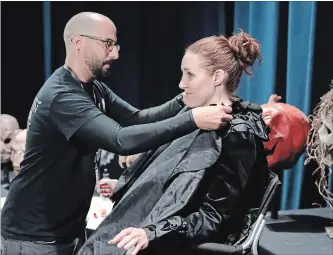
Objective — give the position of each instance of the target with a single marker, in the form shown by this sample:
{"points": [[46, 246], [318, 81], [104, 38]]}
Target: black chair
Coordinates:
{"points": [[248, 244]]}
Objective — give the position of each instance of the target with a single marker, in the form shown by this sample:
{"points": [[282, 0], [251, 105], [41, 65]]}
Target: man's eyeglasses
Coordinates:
{"points": [[109, 43]]}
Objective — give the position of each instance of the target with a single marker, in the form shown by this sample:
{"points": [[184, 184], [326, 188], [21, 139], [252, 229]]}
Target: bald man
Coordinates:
{"points": [[73, 115]]}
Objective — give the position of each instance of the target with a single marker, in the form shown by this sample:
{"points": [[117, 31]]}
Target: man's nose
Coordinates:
{"points": [[114, 54]]}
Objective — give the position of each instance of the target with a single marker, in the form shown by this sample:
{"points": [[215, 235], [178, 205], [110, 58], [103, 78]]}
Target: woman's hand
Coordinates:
{"points": [[133, 239]]}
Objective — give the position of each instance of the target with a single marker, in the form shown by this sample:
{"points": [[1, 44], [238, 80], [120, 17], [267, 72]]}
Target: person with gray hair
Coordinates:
{"points": [[74, 115]]}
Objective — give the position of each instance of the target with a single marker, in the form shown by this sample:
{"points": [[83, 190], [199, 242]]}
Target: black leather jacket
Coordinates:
{"points": [[191, 190]]}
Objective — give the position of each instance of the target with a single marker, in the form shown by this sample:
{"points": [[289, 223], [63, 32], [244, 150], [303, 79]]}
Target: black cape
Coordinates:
{"points": [[157, 191]]}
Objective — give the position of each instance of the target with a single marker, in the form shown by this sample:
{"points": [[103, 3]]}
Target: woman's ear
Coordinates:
{"points": [[219, 77]]}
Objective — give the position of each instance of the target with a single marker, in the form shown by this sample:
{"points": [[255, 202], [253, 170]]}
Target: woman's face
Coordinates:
{"points": [[197, 83]]}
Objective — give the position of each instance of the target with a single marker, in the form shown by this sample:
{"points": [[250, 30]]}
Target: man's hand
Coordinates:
{"points": [[131, 159], [274, 98], [134, 239], [128, 160], [211, 117], [106, 187], [122, 161]]}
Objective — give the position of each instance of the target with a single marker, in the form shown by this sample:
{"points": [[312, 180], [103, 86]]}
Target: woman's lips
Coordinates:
{"points": [[186, 93]]}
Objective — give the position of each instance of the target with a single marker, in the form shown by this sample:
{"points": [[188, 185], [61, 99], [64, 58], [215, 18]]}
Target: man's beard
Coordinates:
{"points": [[102, 74], [96, 69]]}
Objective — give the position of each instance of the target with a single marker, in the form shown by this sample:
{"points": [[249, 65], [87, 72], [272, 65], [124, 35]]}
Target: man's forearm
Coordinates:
{"points": [[158, 113], [102, 132]]}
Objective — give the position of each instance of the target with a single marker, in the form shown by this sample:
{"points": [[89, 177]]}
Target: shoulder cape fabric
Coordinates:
{"points": [[162, 182]]}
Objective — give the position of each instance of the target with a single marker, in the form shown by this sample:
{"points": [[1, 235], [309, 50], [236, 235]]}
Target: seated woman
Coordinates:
{"points": [[197, 188]]}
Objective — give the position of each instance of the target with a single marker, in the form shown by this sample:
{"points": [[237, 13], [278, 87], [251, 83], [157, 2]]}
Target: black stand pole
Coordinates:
{"points": [[276, 199], [274, 208]]}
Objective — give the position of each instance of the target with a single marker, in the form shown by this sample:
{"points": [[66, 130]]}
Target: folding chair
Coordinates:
{"points": [[248, 244]]}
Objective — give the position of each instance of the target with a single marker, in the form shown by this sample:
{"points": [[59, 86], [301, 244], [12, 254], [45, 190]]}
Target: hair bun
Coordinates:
{"points": [[245, 49]]}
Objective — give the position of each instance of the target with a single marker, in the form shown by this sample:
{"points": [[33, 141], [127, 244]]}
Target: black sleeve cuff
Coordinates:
{"points": [[150, 232], [180, 101]]}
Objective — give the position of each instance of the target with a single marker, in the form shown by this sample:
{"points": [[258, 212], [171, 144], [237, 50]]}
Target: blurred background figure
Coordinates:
{"points": [[8, 127], [320, 145], [18, 149]]}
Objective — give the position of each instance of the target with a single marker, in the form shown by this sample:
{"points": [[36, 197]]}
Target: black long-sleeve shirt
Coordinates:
{"points": [[123, 129]]}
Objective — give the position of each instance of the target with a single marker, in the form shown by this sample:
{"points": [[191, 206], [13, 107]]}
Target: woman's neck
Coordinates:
{"points": [[219, 98]]}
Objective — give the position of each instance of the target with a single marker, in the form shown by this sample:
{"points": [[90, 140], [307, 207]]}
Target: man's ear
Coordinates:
{"points": [[76, 42], [219, 77]]}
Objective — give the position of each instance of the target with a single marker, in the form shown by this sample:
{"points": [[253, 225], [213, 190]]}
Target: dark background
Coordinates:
{"points": [[153, 37]]}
